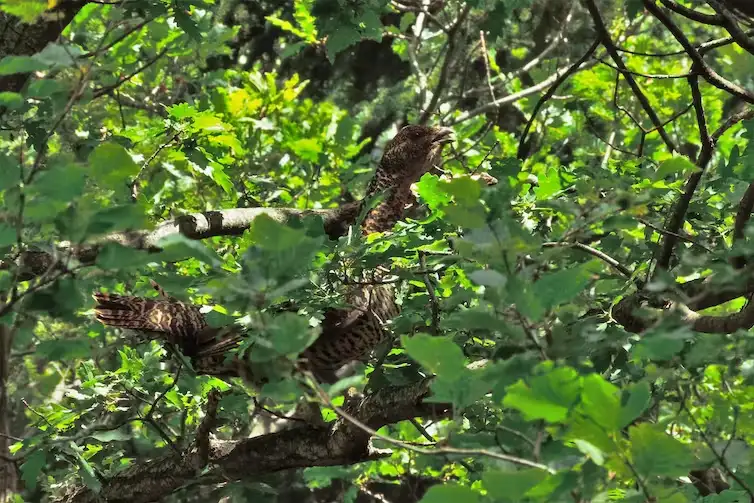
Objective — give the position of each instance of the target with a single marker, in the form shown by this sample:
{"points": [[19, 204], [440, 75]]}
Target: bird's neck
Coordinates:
{"points": [[396, 196]]}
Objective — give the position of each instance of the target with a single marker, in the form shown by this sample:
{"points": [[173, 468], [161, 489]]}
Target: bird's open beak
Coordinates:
{"points": [[443, 136]]}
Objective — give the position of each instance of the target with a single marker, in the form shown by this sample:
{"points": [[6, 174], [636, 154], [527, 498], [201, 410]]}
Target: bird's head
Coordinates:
{"points": [[415, 150]]}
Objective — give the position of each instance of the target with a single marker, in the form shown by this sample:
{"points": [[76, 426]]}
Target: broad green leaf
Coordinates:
{"points": [[87, 472], [59, 56], [188, 25], [450, 493], [115, 256], [13, 101], [178, 247], [64, 349], [464, 189], [488, 277], [112, 166], [600, 401], [590, 450], [658, 346], [10, 65], [639, 396], [512, 485], [209, 123], [221, 178], [306, 148], [117, 218], [32, 468], [676, 165], [286, 334], [655, 453], [272, 235], [7, 235], [339, 40], [553, 289], [549, 397], [26, 10], [433, 191], [633, 8], [43, 88], [439, 355]]}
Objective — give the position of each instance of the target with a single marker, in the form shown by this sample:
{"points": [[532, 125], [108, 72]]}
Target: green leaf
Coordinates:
{"points": [[117, 218], [553, 289], [633, 8], [600, 401], [221, 178], [639, 398], [488, 277], [62, 182], [676, 165], [112, 166], [64, 349], [660, 346], [177, 247], [344, 37], [433, 191], [655, 453], [11, 65], [114, 256], [512, 485], [450, 493], [59, 56], [549, 397], [32, 468], [286, 334], [27, 11], [464, 189], [7, 235], [270, 234], [10, 100], [88, 474], [439, 355], [306, 148], [590, 450], [187, 24], [42, 88]]}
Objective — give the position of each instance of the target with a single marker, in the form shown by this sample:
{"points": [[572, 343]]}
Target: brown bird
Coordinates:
{"points": [[347, 333]]}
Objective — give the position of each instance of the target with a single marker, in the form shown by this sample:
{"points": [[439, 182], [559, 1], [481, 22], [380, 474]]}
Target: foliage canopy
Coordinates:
{"points": [[578, 331]]}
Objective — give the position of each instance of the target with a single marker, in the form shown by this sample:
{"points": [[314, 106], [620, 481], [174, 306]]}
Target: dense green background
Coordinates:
{"points": [[145, 110]]}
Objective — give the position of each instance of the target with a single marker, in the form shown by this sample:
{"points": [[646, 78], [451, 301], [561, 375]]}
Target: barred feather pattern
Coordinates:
{"points": [[347, 334]]}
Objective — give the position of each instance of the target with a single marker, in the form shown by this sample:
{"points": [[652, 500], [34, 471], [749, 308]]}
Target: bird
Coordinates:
{"points": [[348, 333]]}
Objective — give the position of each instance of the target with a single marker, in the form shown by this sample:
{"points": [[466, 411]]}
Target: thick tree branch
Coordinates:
{"points": [[342, 443], [679, 213], [625, 313], [730, 24], [230, 222]]}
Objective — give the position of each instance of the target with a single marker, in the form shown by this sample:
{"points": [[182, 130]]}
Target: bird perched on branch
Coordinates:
{"points": [[347, 333]]}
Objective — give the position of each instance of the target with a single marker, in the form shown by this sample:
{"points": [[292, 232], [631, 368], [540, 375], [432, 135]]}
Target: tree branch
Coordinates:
{"points": [[607, 41], [230, 222]]}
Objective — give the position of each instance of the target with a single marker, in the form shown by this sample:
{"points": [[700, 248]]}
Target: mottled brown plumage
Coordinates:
{"points": [[347, 334]]}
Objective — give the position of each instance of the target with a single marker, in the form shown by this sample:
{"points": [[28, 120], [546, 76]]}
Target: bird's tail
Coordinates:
{"points": [[176, 321]]}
